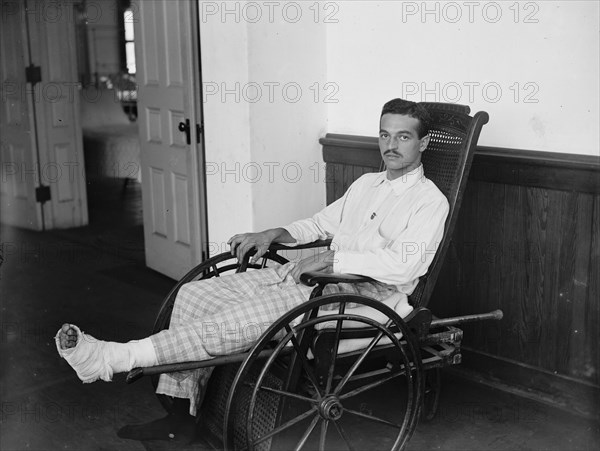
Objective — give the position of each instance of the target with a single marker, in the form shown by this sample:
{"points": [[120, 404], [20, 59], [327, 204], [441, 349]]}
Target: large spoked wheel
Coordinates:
{"points": [[281, 399], [216, 266]]}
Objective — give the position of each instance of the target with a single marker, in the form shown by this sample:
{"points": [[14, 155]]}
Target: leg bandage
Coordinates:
{"points": [[94, 359]]}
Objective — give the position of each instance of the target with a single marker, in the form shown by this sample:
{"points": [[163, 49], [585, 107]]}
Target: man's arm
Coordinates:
{"points": [[322, 225], [242, 243], [323, 261]]}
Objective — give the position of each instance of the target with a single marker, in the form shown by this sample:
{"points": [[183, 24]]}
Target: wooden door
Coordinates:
{"points": [[53, 48], [20, 170], [41, 134], [167, 62]]}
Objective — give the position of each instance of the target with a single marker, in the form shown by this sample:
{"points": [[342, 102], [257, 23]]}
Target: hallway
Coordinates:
{"points": [[95, 277]]}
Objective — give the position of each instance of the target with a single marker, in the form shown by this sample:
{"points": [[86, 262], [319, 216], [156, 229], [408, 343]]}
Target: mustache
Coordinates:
{"points": [[391, 152]]}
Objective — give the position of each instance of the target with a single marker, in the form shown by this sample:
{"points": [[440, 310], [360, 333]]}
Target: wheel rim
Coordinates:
{"points": [[332, 402]]}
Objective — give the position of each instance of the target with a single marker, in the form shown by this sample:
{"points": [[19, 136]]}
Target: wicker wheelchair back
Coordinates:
{"points": [[295, 389]]}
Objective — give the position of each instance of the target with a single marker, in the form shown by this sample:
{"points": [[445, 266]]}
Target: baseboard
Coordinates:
{"points": [[565, 393]]}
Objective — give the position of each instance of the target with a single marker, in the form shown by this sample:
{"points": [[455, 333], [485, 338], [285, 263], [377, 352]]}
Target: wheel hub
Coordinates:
{"points": [[331, 408]]}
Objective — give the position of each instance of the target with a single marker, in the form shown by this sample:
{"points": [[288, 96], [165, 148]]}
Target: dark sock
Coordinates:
{"points": [[181, 406], [179, 426]]}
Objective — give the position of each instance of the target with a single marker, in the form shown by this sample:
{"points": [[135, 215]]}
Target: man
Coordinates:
{"points": [[376, 226]]}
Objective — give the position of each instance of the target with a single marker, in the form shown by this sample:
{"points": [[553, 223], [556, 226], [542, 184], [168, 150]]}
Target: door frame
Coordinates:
{"points": [[199, 153]]}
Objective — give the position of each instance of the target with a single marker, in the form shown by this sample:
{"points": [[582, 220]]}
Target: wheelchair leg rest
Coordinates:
{"points": [[134, 375]]}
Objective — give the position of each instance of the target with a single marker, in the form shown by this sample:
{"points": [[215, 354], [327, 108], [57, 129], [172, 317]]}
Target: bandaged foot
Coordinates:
{"points": [[94, 359]]}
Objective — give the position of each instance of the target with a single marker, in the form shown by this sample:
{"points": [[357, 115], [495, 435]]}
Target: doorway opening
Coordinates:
{"points": [[106, 63]]}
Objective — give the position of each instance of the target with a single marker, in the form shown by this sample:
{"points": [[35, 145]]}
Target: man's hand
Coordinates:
{"points": [[241, 244], [323, 261]]}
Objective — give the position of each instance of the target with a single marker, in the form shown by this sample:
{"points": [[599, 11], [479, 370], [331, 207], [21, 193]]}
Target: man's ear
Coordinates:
{"points": [[424, 143]]}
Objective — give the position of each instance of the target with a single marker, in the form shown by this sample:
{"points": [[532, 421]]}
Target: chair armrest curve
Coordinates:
{"points": [[313, 278], [318, 243]]}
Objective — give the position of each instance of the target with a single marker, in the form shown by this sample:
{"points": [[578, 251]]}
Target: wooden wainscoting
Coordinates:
{"points": [[527, 241]]}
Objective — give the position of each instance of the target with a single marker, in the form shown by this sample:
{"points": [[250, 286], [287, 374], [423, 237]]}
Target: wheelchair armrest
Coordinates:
{"points": [[313, 278], [318, 243]]}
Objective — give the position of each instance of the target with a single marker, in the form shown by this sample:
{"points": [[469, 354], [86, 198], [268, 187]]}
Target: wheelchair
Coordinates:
{"points": [[312, 379]]}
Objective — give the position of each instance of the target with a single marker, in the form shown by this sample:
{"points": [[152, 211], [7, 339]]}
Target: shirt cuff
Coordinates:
{"points": [[295, 233], [338, 262]]}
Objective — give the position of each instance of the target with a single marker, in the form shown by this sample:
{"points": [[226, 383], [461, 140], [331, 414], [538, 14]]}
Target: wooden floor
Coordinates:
{"points": [[95, 277]]}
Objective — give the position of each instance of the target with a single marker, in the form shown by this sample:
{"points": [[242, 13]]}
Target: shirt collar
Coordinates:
{"points": [[400, 184]]}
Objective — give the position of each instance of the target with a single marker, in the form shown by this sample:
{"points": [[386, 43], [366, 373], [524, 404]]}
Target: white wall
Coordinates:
{"points": [[285, 133], [261, 119], [543, 56], [227, 133]]}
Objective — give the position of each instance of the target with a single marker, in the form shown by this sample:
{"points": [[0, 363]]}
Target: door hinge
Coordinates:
{"points": [[199, 131], [42, 194], [33, 74]]}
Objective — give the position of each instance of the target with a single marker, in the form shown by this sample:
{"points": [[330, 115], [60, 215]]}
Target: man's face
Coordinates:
{"points": [[399, 144]]}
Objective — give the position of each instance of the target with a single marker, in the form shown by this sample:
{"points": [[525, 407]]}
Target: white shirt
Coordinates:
{"points": [[387, 230]]}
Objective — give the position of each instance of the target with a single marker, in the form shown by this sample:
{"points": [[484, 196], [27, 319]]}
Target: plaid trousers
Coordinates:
{"points": [[226, 315]]}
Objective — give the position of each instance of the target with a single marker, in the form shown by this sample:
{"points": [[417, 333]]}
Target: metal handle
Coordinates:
{"points": [[496, 314], [185, 127]]}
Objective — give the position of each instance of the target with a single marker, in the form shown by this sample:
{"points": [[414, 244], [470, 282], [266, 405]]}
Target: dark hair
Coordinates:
{"points": [[412, 109]]}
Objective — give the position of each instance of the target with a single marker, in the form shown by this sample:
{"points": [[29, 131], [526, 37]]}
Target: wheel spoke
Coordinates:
{"points": [[307, 433], [283, 393], [371, 385], [342, 434], [302, 358], [343, 382], [324, 425], [368, 375], [356, 364], [286, 425], [216, 270], [372, 418], [338, 330]]}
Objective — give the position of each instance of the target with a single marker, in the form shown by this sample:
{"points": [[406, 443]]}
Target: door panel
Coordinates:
{"points": [[40, 130], [57, 115], [19, 166], [168, 73]]}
